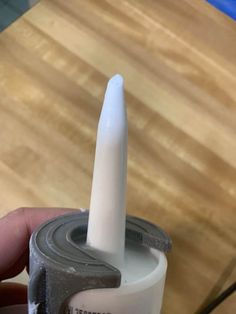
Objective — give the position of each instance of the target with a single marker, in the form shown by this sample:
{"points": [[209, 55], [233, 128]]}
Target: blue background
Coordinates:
{"points": [[226, 6], [10, 10]]}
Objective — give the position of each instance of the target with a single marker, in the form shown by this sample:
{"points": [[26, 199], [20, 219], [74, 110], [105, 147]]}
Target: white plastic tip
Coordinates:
{"points": [[106, 229], [117, 80]]}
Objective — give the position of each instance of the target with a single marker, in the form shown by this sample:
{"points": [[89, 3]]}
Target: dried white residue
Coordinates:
{"points": [[71, 269], [33, 308]]}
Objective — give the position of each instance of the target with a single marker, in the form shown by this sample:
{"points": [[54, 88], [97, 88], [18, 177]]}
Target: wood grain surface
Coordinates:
{"points": [[178, 59]]}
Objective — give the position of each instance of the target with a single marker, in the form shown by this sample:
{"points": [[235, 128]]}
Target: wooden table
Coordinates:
{"points": [[178, 59]]}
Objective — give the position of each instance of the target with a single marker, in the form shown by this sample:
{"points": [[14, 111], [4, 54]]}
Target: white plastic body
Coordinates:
{"points": [[143, 270], [140, 295]]}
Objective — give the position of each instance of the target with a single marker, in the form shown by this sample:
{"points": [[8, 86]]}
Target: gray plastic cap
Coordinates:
{"points": [[61, 265]]}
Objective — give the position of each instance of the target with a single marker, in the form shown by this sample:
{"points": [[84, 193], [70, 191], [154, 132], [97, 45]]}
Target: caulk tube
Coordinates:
{"points": [[143, 269]]}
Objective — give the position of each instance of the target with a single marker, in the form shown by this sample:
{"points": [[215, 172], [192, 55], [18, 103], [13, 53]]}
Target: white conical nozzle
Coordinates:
{"points": [[106, 228]]}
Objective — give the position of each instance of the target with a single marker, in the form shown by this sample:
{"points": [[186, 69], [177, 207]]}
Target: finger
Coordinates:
{"points": [[12, 293], [14, 309], [15, 231], [17, 267]]}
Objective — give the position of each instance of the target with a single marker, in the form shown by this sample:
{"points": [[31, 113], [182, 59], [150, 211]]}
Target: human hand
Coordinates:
{"points": [[15, 231]]}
